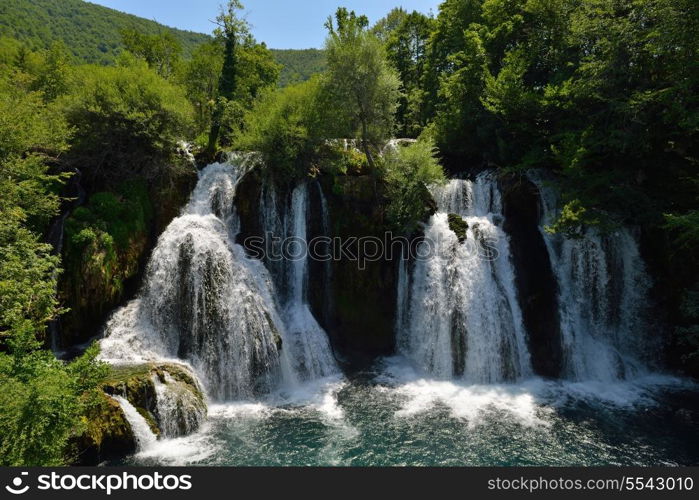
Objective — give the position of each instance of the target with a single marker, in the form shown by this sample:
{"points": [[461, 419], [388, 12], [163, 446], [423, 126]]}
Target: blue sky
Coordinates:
{"points": [[282, 24]]}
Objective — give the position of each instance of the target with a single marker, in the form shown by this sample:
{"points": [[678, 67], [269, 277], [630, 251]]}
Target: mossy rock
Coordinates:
{"points": [[136, 383], [458, 225], [107, 434]]}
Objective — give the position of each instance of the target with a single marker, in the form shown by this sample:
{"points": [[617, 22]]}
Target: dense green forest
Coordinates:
{"points": [[299, 65], [89, 31], [92, 34], [603, 93]]}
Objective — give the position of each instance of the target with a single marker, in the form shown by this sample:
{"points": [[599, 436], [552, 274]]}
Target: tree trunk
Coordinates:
{"points": [[365, 147]]}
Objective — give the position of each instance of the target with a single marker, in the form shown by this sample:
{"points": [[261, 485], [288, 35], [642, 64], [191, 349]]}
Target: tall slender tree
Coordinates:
{"points": [[231, 28]]}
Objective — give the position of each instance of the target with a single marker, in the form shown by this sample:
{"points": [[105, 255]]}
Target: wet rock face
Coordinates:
{"points": [[536, 284], [167, 395], [363, 296], [108, 434], [247, 206]]}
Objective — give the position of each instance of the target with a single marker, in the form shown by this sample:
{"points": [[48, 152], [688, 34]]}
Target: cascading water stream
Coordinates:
{"points": [[603, 297], [179, 411], [142, 432], [205, 301], [458, 314], [306, 342]]}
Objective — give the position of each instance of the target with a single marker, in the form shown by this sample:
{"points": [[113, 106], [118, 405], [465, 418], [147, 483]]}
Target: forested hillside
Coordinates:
{"points": [[91, 32], [299, 65]]}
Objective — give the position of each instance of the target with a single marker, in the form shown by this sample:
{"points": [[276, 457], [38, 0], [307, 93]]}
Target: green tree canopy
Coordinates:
{"points": [[361, 80]]}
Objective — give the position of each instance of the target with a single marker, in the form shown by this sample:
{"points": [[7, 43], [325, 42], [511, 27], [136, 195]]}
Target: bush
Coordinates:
{"points": [[43, 403], [409, 172], [127, 120], [283, 127]]}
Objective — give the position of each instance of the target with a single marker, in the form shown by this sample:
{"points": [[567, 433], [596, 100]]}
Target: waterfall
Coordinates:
{"points": [[179, 411], [458, 314], [203, 300], [142, 432], [328, 304], [308, 342], [603, 297]]}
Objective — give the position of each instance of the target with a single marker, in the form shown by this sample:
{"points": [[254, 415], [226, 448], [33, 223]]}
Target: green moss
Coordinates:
{"points": [[458, 225], [104, 244], [107, 433]]}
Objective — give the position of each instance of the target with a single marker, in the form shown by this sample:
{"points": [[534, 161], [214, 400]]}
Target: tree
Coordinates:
{"points": [[162, 52], [257, 72], [361, 79], [231, 29], [447, 40], [407, 51], [201, 76], [410, 171], [127, 121], [53, 78], [384, 27], [284, 125]]}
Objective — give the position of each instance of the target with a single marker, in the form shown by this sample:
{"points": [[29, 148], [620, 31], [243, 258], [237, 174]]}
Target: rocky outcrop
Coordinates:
{"points": [[536, 284], [458, 225], [169, 196], [108, 434], [167, 395]]}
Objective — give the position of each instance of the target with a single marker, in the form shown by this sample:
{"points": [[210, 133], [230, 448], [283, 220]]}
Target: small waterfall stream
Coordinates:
{"points": [[141, 430], [603, 298], [179, 411], [307, 343], [458, 314]]}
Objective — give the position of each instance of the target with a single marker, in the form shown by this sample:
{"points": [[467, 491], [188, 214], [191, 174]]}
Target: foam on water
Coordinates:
{"points": [[200, 447], [530, 402]]}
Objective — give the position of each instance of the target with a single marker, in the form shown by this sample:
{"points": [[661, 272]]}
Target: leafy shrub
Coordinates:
{"points": [[409, 172], [282, 126], [43, 403], [127, 121]]}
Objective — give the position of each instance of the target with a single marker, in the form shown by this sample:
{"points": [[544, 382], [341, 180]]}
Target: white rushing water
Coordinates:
{"points": [[458, 314], [141, 430], [204, 301], [603, 298], [179, 411], [306, 343]]}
